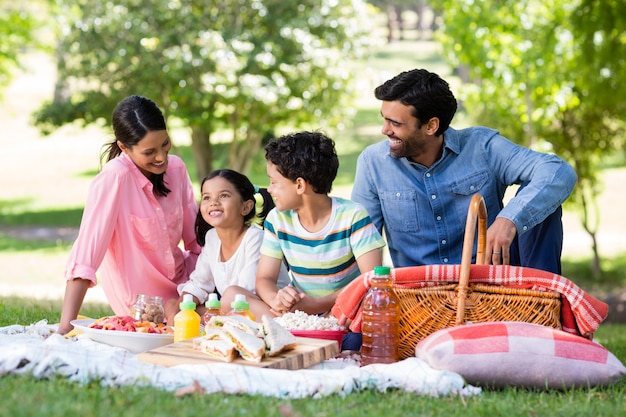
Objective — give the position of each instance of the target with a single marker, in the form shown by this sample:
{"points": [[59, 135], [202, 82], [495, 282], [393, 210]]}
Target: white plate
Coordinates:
{"points": [[134, 342]]}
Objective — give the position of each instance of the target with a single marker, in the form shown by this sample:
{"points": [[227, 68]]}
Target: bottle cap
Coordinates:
{"points": [[240, 302], [382, 270], [213, 302], [187, 303]]}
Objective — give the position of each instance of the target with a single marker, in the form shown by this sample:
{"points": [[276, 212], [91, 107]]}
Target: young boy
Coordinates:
{"points": [[326, 241]]}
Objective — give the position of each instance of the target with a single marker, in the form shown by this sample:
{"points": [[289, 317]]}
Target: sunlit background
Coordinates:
{"points": [[538, 71]]}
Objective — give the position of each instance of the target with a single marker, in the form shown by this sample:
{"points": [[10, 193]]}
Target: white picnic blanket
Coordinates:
{"points": [[37, 349]]}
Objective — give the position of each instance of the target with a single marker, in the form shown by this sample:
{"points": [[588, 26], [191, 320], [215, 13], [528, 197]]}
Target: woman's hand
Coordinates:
{"points": [[171, 307]]}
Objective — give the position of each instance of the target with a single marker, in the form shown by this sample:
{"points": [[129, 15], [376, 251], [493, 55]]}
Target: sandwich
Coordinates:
{"points": [[277, 338], [250, 347], [220, 349], [216, 344], [241, 322]]}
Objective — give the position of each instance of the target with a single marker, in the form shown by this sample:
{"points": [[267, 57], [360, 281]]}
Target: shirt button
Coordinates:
{"points": [[443, 242], [433, 196], [445, 260], [397, 194], [472, 187], [525, 228], [428, 174], [438, 217]]}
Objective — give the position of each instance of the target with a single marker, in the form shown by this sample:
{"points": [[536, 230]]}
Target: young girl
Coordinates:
{"points": [[139, 208], [231, 243]]}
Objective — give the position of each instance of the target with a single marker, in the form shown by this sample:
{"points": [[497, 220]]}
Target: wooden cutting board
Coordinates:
{"points": [[309, 352]]}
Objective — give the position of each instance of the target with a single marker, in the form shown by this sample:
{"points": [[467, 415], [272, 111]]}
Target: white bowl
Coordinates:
{"points": [[135, 342]]}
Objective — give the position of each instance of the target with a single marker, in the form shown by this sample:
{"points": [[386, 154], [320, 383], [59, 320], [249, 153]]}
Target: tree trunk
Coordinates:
{"points": [[399, 22], [596, 266], [420, 13], [202, 151], [391, 19]]}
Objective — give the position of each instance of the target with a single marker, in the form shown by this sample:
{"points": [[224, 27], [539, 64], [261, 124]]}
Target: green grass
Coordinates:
{"points": [[9, 244], [613, 273], [62, 398]]}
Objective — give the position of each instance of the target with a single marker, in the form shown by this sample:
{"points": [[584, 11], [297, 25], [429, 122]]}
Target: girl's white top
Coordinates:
{"points": [[240, 269]]}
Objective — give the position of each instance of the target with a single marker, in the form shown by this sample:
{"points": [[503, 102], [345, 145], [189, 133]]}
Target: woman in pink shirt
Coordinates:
{"points": [[138, 210]]}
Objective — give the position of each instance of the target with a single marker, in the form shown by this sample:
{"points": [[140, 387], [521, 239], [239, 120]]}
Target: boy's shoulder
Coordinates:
{"points": [[348, 208], [346, 204]]}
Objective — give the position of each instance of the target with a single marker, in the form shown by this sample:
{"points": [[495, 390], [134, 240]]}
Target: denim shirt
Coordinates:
{"points": [[422, 210]]}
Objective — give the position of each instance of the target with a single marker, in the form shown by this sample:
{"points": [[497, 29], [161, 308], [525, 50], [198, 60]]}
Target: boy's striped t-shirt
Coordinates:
{"points": [[322, 262]]}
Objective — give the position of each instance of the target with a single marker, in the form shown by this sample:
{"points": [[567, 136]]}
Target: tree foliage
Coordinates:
{"points": [[548, 74], [240, 68], [16, 33]]}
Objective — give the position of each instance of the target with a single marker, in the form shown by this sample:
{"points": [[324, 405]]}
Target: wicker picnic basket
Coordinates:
{"points": [[427, 309]]}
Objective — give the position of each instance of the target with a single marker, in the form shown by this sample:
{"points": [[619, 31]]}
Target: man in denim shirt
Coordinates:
{"points": [[417, 185]]}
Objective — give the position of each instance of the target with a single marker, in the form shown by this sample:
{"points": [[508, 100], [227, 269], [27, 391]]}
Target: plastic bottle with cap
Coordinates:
{"points": [[241, 307], [186, 321], [381, 314], [213, 306]]}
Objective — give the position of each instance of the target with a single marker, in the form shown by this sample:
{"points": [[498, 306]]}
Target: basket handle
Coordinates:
{"points": [[476, 210]]}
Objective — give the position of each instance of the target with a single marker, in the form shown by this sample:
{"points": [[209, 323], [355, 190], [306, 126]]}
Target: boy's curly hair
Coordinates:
{"points": [[307, 155]]}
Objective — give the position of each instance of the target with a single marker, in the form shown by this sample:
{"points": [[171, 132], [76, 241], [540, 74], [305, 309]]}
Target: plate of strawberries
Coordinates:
{"points": [[125, 332]]}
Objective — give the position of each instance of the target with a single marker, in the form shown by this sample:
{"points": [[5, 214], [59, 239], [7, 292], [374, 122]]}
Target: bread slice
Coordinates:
{"points": [[241, 322], [218, 349], [216, 333], [250, 347], [277, 338]]}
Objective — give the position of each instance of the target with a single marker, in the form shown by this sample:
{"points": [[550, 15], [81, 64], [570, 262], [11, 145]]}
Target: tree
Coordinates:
{"points": [[549, 74], [240, 68], [16, 32], [394, 10]]}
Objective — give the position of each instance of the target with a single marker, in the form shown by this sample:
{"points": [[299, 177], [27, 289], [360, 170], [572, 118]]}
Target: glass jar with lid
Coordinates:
{"points": [[148, 308]]}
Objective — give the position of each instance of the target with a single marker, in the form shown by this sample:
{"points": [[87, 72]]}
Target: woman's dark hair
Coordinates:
{"points": [[429, 95], [132, 119], [247, 191], [307, 155]]}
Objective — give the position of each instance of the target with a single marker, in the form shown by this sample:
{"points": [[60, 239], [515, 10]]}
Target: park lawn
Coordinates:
{"points": [[24, 395]]}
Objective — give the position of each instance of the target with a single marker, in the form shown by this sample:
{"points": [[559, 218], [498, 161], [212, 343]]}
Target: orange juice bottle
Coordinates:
{"points": [[241, 307], [186, 321], [212, 307]]}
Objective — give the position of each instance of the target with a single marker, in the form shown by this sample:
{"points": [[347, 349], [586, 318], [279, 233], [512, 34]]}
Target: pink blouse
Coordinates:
{"points": [[132, 237]]}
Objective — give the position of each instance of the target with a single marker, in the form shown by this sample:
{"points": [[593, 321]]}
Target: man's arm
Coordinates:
{"points": [[547, 182]]}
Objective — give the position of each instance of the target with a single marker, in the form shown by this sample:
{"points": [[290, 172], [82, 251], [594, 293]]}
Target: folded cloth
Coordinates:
{"points": [[581, 313]]}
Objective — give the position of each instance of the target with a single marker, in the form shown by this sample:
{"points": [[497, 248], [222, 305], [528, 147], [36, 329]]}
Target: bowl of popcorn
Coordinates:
{"points": [[302, 324]]}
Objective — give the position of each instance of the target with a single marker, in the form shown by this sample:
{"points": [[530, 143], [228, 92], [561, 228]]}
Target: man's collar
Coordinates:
{"points": [[451, 140]]}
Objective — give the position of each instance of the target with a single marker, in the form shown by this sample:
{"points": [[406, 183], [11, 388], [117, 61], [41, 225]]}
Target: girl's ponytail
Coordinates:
{"points": [[268, 204]]}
